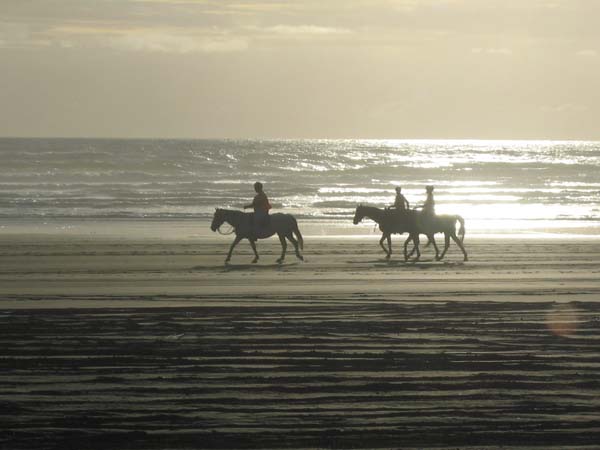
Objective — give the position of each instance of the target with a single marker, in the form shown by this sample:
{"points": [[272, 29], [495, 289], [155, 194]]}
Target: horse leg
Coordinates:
{"points": [[383, 237], [233, 244], [415, 249], [431, 238], [416, 242], [446, 245], [389, 241], [429, 242], [406, 255], [253, 245], [294, 242], [461, 246], [283, 247], [381, 243]]}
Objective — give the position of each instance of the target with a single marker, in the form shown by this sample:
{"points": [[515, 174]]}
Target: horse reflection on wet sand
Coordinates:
{"points": [[284, 225], [414, 223]]}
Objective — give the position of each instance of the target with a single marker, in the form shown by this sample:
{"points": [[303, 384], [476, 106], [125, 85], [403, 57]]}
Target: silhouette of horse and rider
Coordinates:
{"points": [[395, 219], [260, 225], [399, 219]]}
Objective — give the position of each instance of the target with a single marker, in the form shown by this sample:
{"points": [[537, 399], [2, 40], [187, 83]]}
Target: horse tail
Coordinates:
{"points": [[296, 231], [461, 230]]}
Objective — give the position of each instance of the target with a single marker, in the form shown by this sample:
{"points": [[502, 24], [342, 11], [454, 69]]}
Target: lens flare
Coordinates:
{"points": [[563, 320]]}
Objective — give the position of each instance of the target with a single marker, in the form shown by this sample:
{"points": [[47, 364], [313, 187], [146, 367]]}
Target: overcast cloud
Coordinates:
{"points": [[305, 68]]}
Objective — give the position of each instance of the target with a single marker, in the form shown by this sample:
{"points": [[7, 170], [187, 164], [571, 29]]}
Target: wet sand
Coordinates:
{"points": [[124, 343]]}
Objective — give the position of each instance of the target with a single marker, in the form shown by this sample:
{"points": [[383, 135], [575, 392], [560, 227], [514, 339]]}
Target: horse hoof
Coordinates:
{"points": [[254, 261], [300, 257], [466, 259], [279, 261]]}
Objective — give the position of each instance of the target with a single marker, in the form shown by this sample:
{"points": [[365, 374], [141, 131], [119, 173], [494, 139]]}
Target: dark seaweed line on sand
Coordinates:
{"points": [[300, 376]]}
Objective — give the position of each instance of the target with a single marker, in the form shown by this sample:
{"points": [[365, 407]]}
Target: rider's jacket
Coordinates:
{"points": [[401, 202], [261, 203], [429, 205]]}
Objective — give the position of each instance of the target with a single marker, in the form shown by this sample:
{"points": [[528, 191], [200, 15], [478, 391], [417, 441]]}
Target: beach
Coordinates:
{"points": [[140, 342], [140, 138]]}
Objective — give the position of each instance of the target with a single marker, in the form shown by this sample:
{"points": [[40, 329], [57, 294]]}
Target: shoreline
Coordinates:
{"points": [[192, 228], [62, 271]]}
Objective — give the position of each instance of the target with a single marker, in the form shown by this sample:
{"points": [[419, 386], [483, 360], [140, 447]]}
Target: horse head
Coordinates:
{"points": [[218, 219], [359, 214]]}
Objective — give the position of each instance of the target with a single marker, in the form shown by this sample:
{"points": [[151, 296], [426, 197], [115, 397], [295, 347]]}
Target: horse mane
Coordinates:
{"points": [[231, 210], [374, 208]]}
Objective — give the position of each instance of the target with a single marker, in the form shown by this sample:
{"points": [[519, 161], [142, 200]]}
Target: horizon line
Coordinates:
{"points": [[421, 139]]}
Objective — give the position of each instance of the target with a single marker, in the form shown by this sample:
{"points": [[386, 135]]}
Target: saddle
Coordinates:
{"points": [[259, 224], [427, 221], [399, 220]]}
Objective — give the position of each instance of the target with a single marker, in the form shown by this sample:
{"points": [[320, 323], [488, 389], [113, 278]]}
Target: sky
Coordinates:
{"points": [[403, 69]]}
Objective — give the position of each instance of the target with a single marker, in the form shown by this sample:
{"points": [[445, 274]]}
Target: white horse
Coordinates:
{"points": [[284, 225], [444, 223]]}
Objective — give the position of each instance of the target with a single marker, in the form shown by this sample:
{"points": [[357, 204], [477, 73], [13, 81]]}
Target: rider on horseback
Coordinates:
{"points": [[427, 215], [398, 210], [261, 207], [400, 203], [429, 205]]}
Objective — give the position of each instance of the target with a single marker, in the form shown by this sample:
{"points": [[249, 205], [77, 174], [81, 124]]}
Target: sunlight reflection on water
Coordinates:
{"points": [[502, 186]]}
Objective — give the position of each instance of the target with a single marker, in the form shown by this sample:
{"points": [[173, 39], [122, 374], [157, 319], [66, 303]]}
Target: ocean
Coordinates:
{"points": [[499, 187]]}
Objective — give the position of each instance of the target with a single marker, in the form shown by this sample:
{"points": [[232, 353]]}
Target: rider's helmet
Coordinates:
{"points": [[258, 186], [429, 189]]}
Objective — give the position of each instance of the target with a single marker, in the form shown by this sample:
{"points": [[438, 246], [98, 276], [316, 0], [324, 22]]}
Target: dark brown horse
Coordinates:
{"points": [[414, 223], [393, 222], [284, 225]]}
